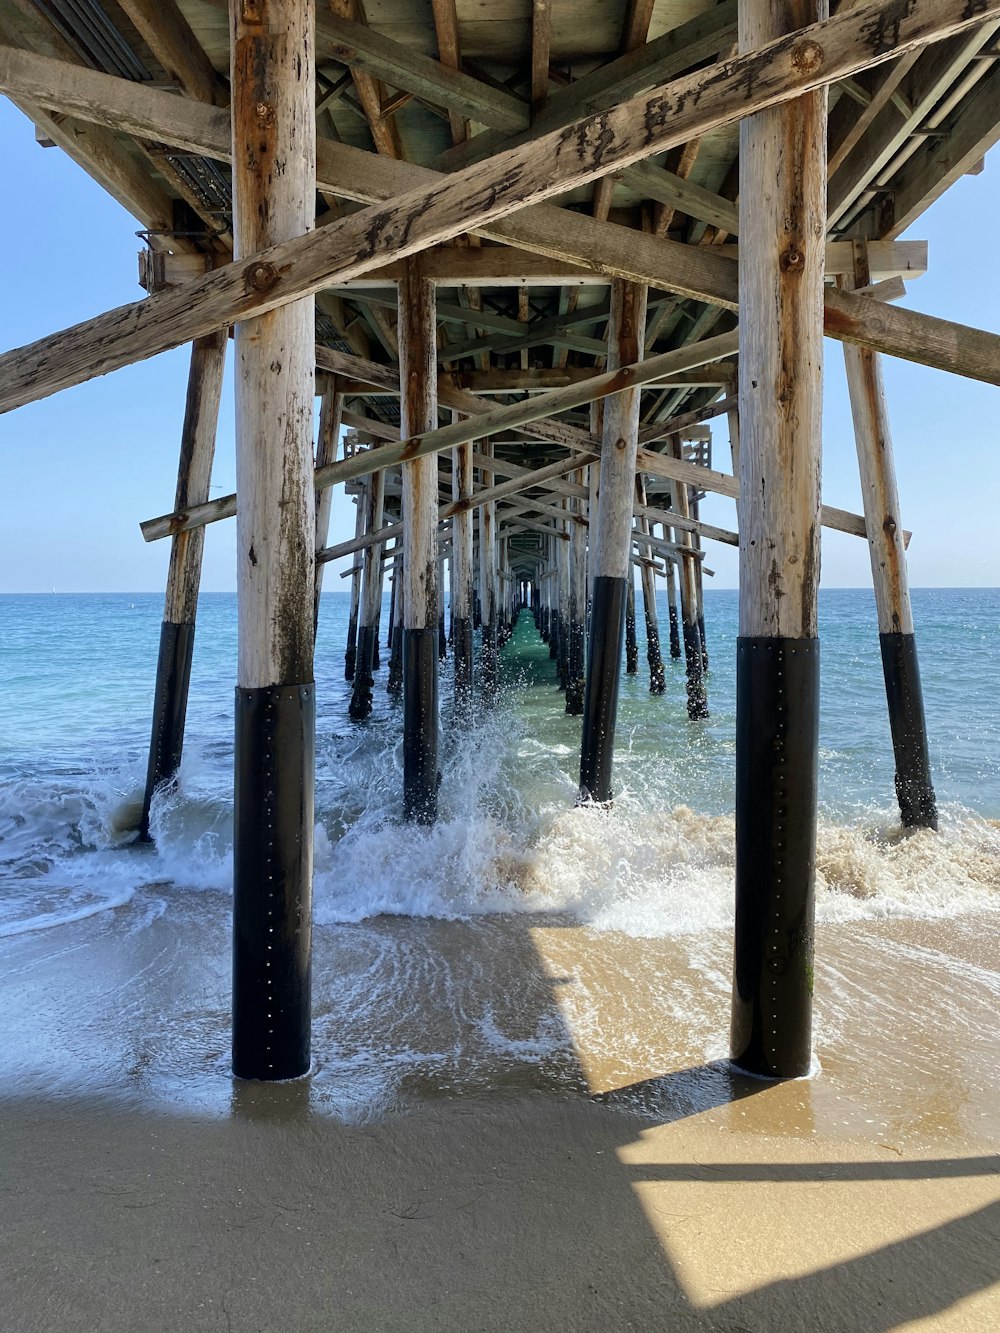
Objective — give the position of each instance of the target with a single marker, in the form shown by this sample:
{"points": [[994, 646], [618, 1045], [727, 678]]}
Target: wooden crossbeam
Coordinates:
{"points": [[168, 35], [938, 163], [483, 423], [553, 431], [362, 48], [690, 106]]}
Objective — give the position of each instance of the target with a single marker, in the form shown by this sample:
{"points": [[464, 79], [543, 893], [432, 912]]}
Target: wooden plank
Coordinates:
{"points": [[450, 54], [635, 72], [169, 36], [385, 136], [541, 45], [363, 240], [933, 168], [362, 48], [933, 75], [898, 331], [679, 193]]}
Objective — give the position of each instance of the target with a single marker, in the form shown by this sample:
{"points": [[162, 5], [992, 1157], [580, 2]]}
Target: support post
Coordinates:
{"points": [[563, 586], [697, 699], [330, 416], [577, 603], [631, 640], [873, 436], [612, 535], [180, 606], [657, 679], [362, 694], [418, 413], [461, 563], [489, 653], [699, 587], [273, 117], [675, 635], [782, 244], [351, 647]]}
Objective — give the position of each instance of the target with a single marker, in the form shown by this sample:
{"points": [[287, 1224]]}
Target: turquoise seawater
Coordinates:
{"points": [[77, 677]]}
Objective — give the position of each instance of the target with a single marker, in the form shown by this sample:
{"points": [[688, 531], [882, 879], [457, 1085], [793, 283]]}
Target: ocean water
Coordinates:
{"points": [[445, 916]]}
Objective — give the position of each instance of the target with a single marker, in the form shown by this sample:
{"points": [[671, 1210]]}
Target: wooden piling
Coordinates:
{"points": [[782, 245], [631, 639], [873, 437], [273, 119], [418, 411], [654, 657], [180, 607], [489, 648], [330, 417], [697, 698], [351, 647], [675, 636], [362, 694], [576, 684], [611, 534], [461, 564], [563, 582]]}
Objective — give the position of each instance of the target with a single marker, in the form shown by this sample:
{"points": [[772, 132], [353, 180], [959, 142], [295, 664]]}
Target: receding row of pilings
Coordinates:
{"points": [[279, 526]]}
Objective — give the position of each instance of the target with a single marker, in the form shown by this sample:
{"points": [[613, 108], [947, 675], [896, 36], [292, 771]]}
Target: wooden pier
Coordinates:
{"points": [[525, 259]]}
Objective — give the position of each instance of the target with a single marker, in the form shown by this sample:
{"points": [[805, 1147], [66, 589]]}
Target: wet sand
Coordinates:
{"points": [[513, 1123]]}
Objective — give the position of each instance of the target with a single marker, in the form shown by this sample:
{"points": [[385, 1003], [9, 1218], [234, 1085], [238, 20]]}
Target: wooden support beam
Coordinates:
{"points": [[935, 73], [474, 198], [168, 35], [489, 645], [782, 228], [450, 54], [194, 474], [461, 567], [633, 73], [371, 95], [330, 418], [541, 45], [577, 629], [273, 82], [365, 50], [940, 162], [654, 657], [681, 520], [612, 540], [873, 436], [488, 422], [362, 692], [418, 412]]}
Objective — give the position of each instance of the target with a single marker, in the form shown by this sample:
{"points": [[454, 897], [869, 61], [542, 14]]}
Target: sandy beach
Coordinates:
{"points": [[568, 1161]]}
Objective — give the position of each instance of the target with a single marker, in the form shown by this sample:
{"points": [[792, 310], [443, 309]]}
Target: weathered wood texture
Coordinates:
{"points": [[194, 473], [613, 536], [418, 404], [273, 151], [879, 492], [783, 238], [330, 415], [690, 106]]}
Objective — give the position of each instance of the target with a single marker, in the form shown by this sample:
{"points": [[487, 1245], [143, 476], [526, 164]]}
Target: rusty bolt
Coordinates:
{"points": [[264, 112], [889, 525], [792, 259], [807, 57], [261, 276]]}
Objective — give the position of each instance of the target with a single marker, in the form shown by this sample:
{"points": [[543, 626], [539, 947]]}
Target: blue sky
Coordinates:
{"points": [[81, 469]]}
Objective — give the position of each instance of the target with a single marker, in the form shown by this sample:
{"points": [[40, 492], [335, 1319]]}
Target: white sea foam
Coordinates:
{"points": [[508, 839]]}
